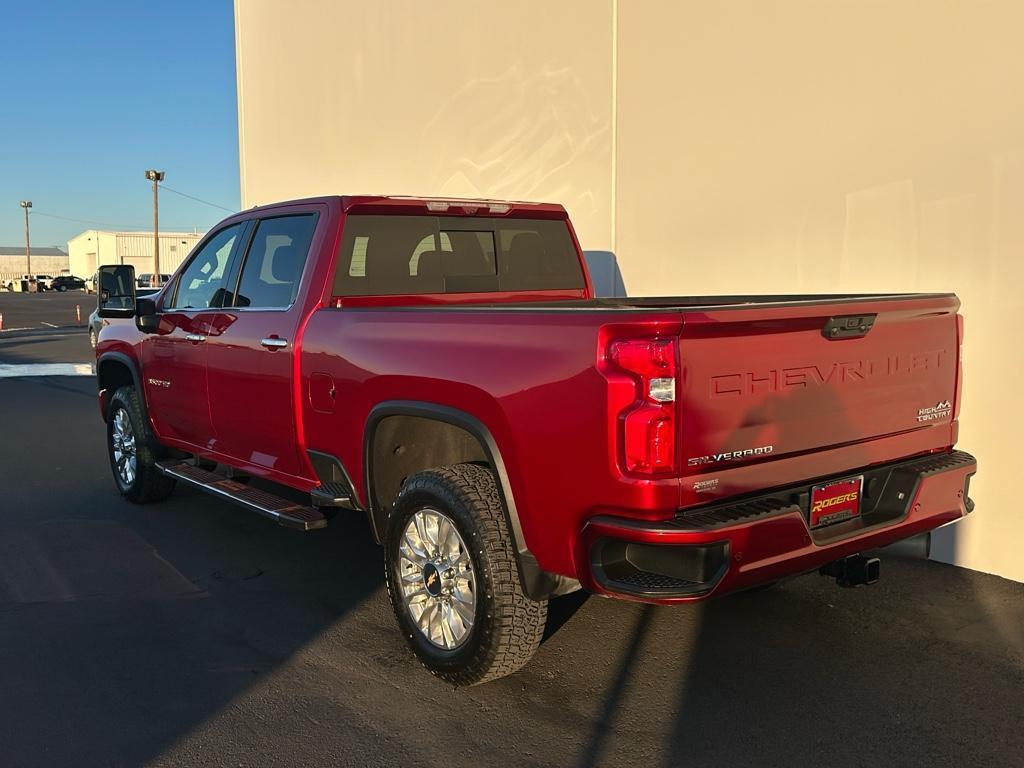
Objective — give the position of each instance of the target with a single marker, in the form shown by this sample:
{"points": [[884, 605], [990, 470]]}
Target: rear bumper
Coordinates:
{"points": [[727, 547]]}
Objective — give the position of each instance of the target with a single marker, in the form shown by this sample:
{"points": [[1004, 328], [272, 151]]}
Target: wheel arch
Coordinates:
{"points": [[113, 371], [413, 436]]}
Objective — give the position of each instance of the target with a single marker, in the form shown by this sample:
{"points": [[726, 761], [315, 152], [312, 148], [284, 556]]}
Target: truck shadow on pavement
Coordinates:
{"points": [[917, 670]]}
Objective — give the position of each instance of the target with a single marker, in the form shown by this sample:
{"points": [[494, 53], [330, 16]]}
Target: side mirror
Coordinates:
{"points": [[146, 318], [115, 294]]}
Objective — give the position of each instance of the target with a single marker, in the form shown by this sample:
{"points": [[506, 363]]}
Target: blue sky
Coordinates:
{"points": [[94, 93]]}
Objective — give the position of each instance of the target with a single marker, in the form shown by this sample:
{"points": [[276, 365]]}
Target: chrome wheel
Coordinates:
{"points": [[123, 443], [436, 578]]}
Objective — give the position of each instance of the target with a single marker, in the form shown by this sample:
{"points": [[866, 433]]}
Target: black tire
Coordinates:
{"points": [[62, 289], [508, 626], [148, 484]]}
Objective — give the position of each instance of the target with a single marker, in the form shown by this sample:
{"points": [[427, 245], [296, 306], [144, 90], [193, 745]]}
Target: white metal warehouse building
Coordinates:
{"points": [[95, 247]]}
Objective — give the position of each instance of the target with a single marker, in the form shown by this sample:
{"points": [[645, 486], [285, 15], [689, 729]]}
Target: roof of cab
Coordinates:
{"points": [[441, 205]]}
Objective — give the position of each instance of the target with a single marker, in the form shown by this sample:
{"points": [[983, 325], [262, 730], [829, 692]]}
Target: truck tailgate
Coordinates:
{"points": [[766, 385]]}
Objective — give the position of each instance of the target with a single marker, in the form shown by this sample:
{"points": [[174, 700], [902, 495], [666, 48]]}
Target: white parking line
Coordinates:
{"points": [[49, 324], [16, 371]]}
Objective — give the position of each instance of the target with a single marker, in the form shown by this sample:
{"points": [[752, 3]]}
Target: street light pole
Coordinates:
{"points": [[156, 177], [26, 204]]}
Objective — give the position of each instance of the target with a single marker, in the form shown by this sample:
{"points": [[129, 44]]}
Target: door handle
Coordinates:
{"points": [[195, 338], [273, 343]]}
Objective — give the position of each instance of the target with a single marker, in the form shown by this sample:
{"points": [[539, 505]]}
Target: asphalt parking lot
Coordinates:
{"points": [[40, 311], [194, 633]]}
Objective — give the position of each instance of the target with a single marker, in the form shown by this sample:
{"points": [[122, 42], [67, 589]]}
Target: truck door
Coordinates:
{"points": [[251, 363], [174, 358]]}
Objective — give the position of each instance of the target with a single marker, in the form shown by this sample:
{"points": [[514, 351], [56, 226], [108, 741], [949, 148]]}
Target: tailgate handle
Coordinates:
{"points": [[848, 326]]}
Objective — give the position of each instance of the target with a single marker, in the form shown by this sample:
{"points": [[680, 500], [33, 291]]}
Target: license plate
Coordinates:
{"points": [[835, 502]]}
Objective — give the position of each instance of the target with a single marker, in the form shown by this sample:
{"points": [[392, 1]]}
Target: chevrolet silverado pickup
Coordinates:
{"points": [[444, 367]]}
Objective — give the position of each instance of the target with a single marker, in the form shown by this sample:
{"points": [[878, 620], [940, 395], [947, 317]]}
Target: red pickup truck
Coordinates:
{"points": [[444, 367]]}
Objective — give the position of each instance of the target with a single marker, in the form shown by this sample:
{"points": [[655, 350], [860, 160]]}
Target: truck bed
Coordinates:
{"points": [[765, 398], [738, 301]]}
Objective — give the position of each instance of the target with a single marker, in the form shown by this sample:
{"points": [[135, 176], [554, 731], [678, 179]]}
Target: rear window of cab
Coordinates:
{"points": [[385, 255]]}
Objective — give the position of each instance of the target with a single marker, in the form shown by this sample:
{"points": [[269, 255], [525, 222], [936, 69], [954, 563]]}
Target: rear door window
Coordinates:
{"points": [[385, 255], [274, 263]]}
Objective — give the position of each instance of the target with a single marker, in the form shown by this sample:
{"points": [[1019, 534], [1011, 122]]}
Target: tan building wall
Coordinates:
{"points": [[715, 147], [135, 248], [462, 99]]}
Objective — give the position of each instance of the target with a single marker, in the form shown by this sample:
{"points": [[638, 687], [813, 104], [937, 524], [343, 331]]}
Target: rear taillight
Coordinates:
{"points": [[647, 425]]}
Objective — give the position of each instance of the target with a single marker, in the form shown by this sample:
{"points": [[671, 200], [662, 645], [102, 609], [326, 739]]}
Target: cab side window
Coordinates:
{"points": [[273, 266], [201, 285]]}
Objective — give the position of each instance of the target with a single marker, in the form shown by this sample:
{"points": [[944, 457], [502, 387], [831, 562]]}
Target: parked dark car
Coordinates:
{"points": [[67, 283]]}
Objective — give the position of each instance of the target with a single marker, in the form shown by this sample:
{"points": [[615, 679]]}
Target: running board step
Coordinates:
{"points": [[331, 495], [283, 511]]}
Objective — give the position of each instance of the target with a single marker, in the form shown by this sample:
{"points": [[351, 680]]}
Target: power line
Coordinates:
{"points": [[88, 221], [105, 224], [197, 199], [142, 227]]}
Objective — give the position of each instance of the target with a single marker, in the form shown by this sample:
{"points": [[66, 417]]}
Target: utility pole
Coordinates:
{"points": [[26, 204], [156, 177]]}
